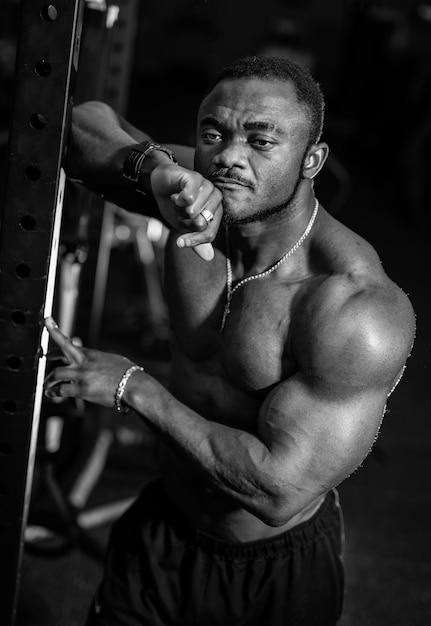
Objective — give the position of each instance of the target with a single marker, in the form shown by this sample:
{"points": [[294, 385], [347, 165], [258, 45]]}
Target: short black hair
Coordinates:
{"points": [[266, 67]]}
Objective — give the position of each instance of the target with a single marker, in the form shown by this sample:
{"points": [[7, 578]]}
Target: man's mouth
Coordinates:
{"points": [[228, 182]]}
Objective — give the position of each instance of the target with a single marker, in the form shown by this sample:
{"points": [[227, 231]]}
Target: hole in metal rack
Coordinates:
{"points": [[18, 317], [5, 447], [27, 222], [43, 68], [38, 121], [23, 270], [13, 362], [9, 406], [32, 172], [49, 13]]}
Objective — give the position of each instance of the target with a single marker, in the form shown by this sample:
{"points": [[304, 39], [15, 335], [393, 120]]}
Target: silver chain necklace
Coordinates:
{"points": [[230, 291]]}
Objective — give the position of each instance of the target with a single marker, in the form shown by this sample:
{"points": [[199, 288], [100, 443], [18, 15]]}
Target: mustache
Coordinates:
{"points": [[225, 172]]}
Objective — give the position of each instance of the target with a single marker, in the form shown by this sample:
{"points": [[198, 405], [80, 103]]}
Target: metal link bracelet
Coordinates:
{"points": [[119, 392]]}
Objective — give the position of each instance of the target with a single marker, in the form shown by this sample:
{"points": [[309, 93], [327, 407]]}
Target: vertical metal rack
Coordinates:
{"points": [[46, 66]]}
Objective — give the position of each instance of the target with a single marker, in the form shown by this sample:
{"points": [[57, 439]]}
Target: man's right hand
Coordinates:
{"points": [[181, 196]]}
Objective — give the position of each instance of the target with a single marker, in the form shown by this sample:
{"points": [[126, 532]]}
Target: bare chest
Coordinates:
{"points": [[255, 344], [252, 350]]}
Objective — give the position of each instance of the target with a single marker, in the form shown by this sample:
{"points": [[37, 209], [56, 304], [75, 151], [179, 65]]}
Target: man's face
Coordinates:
{"points": [[252, 136]]}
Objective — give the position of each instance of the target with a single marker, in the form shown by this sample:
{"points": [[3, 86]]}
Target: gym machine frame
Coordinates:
{"points": [[46, 66]]}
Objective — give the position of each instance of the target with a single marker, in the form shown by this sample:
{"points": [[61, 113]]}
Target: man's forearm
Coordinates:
{"points": [[113, 186], [233, 461], [101, 140], [100, 143]]}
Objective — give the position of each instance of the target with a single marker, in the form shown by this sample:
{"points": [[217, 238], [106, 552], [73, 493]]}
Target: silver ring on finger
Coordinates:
{"points": [[207, 215]]}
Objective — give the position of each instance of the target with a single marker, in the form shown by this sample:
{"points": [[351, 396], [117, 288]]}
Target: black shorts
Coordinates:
{"points": [[162, 572]]}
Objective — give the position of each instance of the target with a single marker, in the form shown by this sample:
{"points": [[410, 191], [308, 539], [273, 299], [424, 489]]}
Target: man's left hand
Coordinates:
{"points": [[89, 374]]}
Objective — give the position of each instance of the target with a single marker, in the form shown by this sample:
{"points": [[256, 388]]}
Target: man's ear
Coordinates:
{"points": [[315, 159]]}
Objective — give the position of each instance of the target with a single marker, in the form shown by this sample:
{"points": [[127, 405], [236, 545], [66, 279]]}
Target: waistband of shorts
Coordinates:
{"points": [[323, 521]]}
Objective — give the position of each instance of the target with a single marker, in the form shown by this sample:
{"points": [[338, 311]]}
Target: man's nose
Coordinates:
{"points": [[231, 154]]}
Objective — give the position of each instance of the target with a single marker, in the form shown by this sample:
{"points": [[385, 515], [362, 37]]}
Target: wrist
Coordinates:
{"points": [[120, 391], [140, 162]]}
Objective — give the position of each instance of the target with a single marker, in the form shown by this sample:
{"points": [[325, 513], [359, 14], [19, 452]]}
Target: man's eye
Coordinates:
{"points": [[262, 144], [211, 135]]}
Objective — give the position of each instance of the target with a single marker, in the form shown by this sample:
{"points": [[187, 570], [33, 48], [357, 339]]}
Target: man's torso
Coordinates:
{"points": [[225, 375]]}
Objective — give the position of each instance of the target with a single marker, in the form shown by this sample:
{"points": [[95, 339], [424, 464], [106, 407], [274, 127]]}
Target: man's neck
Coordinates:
{"points": [[255, 246]]}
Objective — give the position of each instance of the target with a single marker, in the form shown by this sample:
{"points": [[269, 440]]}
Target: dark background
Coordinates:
{"points": [[373, 62]]}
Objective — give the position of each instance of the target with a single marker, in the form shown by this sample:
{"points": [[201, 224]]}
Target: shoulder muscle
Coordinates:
{"points": [[356, 334]]}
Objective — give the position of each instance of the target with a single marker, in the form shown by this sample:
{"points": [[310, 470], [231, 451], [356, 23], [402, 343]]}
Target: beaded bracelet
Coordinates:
{"points": [[119, 392]]}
